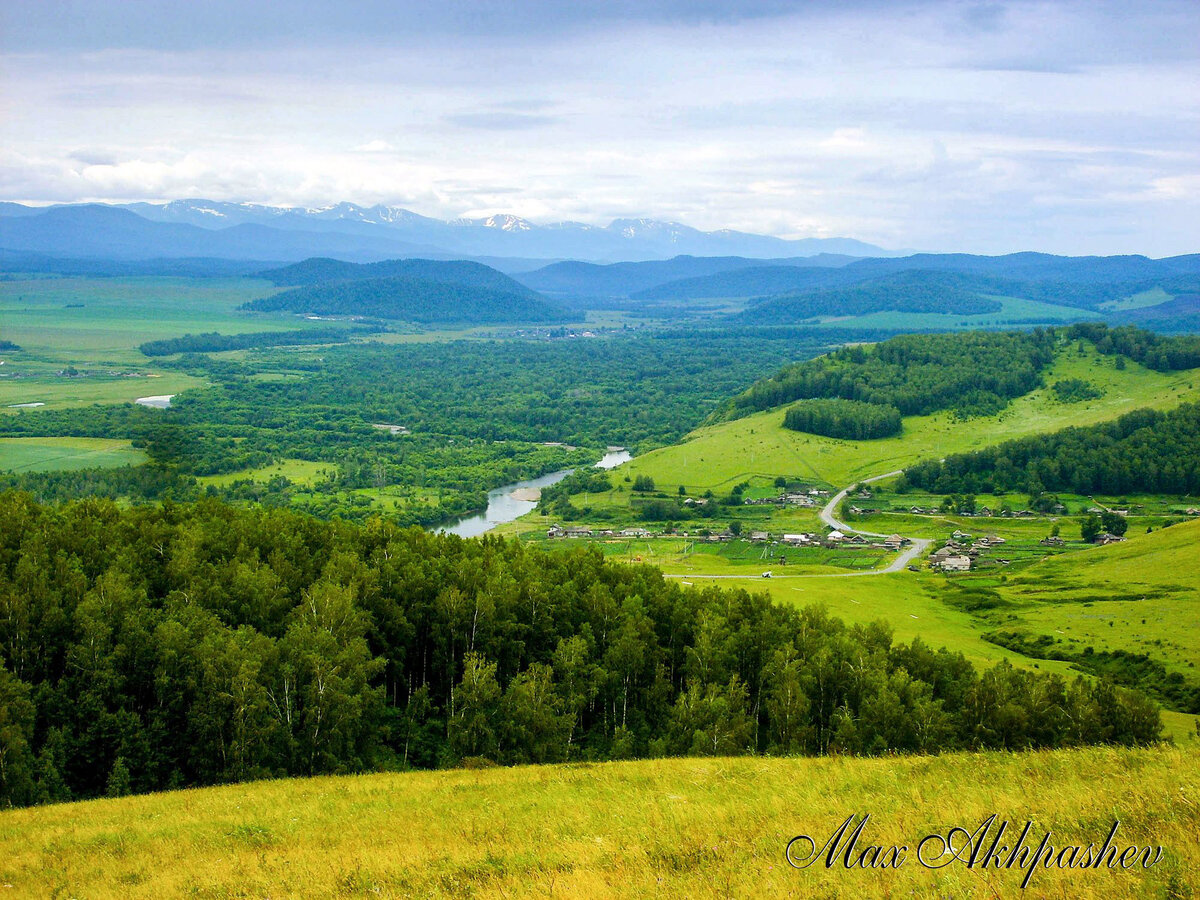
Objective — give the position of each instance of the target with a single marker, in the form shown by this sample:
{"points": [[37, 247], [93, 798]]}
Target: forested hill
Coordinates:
{"points": [[460, 272], [1145, 451], [415, 300], [912, 292], [971, 373], [153, 647]]}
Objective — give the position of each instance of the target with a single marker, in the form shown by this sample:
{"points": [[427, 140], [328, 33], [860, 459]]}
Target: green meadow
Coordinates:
{"points": [[66, 453], [664, 828]]}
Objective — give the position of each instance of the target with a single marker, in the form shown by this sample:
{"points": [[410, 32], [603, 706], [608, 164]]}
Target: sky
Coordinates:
{"points": [[985, 127]]}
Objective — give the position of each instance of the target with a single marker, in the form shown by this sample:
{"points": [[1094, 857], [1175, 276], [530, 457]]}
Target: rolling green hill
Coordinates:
{"points": [[414, 300], [460, 272]]}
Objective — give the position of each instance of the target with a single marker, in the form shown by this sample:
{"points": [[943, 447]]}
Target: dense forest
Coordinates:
{"points": [[212, 342], [1154, 351], [153, 647], [843, 419], [972, 373], [415, 300], [1145, 451]]}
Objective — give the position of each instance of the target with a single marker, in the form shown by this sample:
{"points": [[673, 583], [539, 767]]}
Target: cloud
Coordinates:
{"points": [[376, 146], [500, 121], [1065, 126]]}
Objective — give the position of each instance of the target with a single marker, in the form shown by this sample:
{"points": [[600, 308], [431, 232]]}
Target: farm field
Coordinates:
{"points": [[66, 453], [669, 828]]}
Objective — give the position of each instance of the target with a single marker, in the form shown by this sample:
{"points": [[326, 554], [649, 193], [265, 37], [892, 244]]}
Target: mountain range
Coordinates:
{"points": [[204, 228]]}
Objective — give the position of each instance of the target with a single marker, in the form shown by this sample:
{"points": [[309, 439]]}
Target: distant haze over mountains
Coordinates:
{"points": [[204, 228]]}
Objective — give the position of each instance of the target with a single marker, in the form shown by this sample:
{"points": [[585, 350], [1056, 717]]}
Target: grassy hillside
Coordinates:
{"points": [[1141, 596], [666, 828], [721, 455]]}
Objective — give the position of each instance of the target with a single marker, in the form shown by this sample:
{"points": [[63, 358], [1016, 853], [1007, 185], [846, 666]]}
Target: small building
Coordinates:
{"points": [[955, 564], [1107, 538], [893, 542], [634, 532], [986, 511], [555, 531], [1052, 541], [835, 537], [796, 538], [759, 537], [578, 531], [960, 536]]}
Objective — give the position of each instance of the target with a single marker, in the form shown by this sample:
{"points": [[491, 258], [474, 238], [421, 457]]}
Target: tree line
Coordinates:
{"points": [[1144, 451], [145, 648]]}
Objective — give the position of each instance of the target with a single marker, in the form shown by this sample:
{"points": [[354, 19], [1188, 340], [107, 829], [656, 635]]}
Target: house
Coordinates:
{"points": [[893, 542], [635, 532], [856, 540], [578, 531], [555, 531], [994, 539], [759, 537], [960, 536], [796, 538], [1058, 509], [938, 555], [856, 511], [986, 511], [1191, 511], [1107, 538], [1052, 541], [835, 537], [955, 564]]}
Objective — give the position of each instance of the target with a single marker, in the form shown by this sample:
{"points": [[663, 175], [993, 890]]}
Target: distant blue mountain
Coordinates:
{"points": [[346, 231]]}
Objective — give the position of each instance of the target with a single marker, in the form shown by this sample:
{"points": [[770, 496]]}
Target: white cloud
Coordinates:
{"points": [[1060, 126]]}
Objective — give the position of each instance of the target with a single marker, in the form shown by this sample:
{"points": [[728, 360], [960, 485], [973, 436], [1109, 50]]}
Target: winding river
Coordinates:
{"points": [[514, 500]]}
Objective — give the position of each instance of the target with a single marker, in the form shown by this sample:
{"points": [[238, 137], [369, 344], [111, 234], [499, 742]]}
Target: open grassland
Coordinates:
{"points": [[719, 456], [1141, 596], [676, 828], [65, 453], [298, 471], [79, 319], [96, 324]]}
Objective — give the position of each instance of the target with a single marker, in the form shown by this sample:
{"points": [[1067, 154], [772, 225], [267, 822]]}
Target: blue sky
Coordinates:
{"points": [[986, 127]]}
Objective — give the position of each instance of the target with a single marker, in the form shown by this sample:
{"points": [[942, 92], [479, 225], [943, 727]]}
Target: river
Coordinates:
{"points": [[503, 506]]}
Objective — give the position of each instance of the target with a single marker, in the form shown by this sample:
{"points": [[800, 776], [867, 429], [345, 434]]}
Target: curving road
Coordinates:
{"points": [[829, 517]]}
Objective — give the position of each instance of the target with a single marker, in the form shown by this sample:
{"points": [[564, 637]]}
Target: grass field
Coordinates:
{"points": [[80, 319], [96, 324], [65, 453], [298, 471], [1140, 596], [676, 828]]}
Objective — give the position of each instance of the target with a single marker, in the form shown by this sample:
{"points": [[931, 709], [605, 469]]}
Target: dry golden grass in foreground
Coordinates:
{"points": [[667, 828]]}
